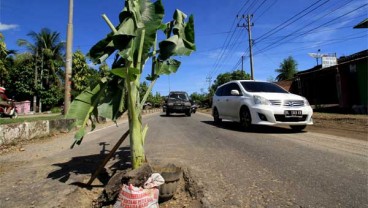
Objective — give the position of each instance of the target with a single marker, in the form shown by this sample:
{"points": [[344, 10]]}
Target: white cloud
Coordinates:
{"points": [[4, 27]]}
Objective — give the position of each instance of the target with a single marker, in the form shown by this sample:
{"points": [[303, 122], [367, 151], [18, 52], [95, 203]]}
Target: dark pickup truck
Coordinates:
{"points": [[178, 102]]}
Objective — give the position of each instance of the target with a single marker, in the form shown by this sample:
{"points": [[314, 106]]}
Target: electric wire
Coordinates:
{"points": [[277, 43], [231, 41], [287, 23]]}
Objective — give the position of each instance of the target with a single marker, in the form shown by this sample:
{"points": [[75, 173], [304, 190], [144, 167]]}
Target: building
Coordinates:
{"points": [[343, 85]]}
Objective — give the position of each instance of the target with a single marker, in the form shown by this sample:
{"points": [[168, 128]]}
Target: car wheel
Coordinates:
{"points": [[298, 128], [188, 113], [216, 117], [245, 119]]}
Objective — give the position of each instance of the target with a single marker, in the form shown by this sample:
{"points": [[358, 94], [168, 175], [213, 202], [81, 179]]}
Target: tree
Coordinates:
{"points": [[5, 61], [156, 100], [226, 77], [199, 98], [287, 69], [134, 39], [3, 54], [83, 75], [104, 69], [47, 50], [21, 84]]}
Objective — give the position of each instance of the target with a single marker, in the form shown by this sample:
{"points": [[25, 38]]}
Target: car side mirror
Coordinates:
{"points": [[235, 92]]}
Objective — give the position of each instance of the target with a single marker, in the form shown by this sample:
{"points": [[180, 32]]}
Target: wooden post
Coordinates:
{"points": [[108, 157]]}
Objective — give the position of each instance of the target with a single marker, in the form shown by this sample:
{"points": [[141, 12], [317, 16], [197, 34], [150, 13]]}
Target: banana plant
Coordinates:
{"points": [[132, 43]]}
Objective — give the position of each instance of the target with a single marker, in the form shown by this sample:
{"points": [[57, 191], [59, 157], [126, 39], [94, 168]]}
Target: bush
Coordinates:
{"points": [[55, 110]]}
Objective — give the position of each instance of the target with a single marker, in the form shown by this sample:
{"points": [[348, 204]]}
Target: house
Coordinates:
{"points": [[343, 85]]}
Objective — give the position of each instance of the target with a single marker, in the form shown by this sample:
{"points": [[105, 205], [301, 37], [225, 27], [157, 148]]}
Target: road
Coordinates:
{"points": [[268, 167]]}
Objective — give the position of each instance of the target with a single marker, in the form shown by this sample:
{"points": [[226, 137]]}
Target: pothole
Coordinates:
{"points": [[187, 193]]}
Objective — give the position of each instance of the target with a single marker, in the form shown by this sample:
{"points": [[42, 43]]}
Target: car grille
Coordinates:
{"points": [[275, 102], [293, 103], [282, 118]]}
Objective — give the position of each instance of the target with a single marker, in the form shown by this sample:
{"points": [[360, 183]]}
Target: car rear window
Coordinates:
{"points": [[262, 87]]}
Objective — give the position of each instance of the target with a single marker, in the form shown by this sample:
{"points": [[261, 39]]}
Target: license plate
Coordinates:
{"points": [[293, 113]]}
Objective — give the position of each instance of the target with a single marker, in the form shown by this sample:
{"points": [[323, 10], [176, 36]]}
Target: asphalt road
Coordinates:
{"points": [[268, 167]]}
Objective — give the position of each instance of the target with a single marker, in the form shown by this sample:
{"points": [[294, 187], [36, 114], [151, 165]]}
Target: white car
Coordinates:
{"points": [[260, 103]]}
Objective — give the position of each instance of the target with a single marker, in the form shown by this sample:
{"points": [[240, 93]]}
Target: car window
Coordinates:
{"points": [[179, 96], [226, 90], [219, 91], [229, 87], [234, 86], [262, 87]]}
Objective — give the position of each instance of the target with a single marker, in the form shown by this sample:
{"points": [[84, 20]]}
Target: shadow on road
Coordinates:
{"points": [[173, 115], [234, 126], [81, 167]]}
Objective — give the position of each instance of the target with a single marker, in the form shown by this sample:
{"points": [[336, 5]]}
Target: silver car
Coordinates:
{"points": [[260, 103]]}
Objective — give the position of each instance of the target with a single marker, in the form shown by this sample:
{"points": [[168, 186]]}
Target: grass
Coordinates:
{"points": [[29, 119]]}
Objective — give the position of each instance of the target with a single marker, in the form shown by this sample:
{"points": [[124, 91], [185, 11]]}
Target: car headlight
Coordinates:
{"points": [[258, 100], [306, 102]]}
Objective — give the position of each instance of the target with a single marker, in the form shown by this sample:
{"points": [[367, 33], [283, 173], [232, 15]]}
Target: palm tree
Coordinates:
{"points": [[287, 69], [47, 49], [4, 60]]}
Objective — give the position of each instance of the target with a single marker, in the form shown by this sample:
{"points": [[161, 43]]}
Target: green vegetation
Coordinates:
{"points": [[29, 119], [288, 68], [226, 77]]}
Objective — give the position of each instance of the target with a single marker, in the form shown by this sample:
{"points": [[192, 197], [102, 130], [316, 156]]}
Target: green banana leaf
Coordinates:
{"points": [[182, 40], [167, 67], [83, 106]]}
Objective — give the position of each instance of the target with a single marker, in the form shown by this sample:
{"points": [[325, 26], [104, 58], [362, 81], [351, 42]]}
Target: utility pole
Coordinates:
{"points": [[249, 26], [209, 79], [40, 99], [35, 85], [68, 62], [242, 60]]}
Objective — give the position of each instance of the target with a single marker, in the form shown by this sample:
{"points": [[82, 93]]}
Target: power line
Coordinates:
{"points": [[286, 23], [277, 43], [260, 15], [230, 41]]}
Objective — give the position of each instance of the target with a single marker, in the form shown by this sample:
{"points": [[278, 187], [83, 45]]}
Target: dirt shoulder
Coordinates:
{"points": [[343, 125]]}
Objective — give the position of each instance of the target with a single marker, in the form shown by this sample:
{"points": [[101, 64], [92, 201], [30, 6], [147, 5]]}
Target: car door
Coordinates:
{"points": [[233, 101], [219, 100]]}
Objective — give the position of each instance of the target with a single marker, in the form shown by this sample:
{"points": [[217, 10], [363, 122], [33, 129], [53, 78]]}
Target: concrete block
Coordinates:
{"points": [[13, 132], [38, 129]]}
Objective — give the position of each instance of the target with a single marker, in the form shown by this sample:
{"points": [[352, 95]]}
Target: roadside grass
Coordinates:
{"points": [[29, 119]]}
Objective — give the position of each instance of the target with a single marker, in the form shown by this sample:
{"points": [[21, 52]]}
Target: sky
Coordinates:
{"points": [[280, 28]]}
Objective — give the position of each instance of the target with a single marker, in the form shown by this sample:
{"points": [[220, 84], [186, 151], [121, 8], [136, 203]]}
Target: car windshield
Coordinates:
{"points": [[262, 87], [179, 96]]}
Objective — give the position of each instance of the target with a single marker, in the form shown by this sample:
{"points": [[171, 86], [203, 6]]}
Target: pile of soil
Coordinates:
{"points": [[187, 193], [343, 125]]}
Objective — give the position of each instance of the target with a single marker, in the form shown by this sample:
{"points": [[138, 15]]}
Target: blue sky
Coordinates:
{"points": [[281, 28]]}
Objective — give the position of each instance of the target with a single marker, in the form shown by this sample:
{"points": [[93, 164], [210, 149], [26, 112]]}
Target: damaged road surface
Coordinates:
{"points": [[266, 167]]}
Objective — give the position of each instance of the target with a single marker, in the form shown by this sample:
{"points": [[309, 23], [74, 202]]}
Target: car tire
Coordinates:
{"points": [[188, 113], [245, 119], [298, 128], [216, 117]]}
